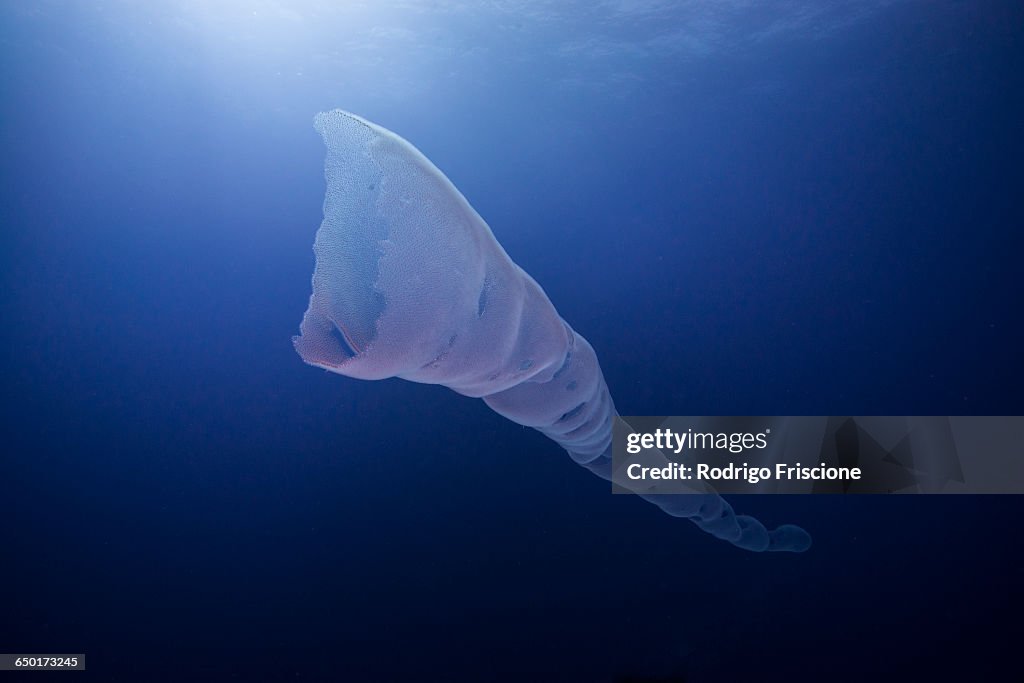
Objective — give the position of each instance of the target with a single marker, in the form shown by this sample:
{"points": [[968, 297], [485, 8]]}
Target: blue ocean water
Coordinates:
{"points": [[784, 208]]}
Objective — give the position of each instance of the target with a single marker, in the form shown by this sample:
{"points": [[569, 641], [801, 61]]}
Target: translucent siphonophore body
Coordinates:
{"points": [[410, 282]]}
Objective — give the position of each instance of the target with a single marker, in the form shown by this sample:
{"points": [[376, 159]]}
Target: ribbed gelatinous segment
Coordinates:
{"points": [[411, 283]]}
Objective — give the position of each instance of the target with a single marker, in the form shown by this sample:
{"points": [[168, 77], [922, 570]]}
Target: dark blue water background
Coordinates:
{"points": [[805, 209]]}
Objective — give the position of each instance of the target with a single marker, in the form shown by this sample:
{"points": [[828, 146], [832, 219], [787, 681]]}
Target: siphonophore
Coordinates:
{"points": [[410, 282]]}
